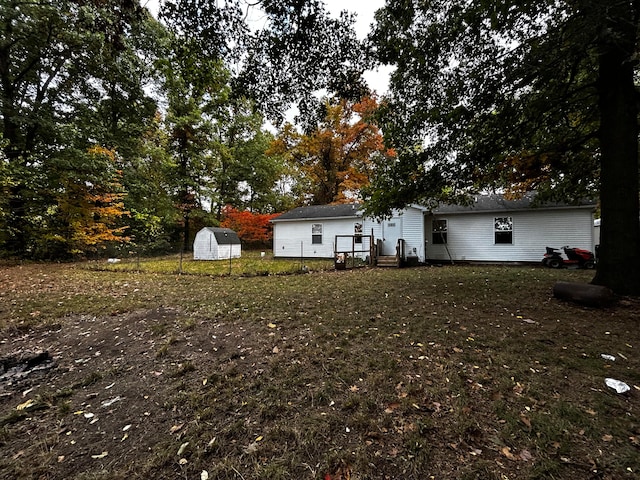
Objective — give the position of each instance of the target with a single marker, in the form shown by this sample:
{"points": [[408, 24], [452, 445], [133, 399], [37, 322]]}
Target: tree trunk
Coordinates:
{"points": [[619, 265], [186, 243]]}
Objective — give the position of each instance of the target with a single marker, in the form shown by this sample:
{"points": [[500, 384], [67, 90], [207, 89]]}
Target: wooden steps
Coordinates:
{"points": [[388, 261]]}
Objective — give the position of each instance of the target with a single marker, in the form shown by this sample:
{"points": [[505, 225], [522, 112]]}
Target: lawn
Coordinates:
{"points": [[454, 372], [251, 263]]}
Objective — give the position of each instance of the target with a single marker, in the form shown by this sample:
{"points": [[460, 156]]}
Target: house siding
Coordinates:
{"points": [[292, 239], [470, 237], [413, 233]]}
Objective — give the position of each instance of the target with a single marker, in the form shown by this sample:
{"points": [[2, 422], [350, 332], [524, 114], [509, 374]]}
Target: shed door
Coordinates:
{"points": [[391, 232]]}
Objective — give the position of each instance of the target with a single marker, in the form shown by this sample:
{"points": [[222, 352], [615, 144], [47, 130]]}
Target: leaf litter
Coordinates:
{"points": [[397, 394]]}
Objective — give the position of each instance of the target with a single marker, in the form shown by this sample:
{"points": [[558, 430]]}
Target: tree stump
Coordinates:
{"points": [[584, 294]]}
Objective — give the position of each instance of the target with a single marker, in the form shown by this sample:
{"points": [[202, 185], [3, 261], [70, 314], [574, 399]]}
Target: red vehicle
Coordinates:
{"points": [[573, 257]]}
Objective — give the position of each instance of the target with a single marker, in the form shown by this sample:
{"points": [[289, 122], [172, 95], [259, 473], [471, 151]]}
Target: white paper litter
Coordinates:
{"points": [[617, 385]]}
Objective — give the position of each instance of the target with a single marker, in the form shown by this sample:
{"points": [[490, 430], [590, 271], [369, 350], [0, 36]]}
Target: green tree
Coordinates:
{"points": [[516, 95], [70, 78], [149, 181], [299, 50], [197, 90], [245, 174]]}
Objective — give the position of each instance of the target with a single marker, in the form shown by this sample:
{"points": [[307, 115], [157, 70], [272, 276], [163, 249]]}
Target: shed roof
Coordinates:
{"points": [[344, 210], [224, 236], [498, 203]]}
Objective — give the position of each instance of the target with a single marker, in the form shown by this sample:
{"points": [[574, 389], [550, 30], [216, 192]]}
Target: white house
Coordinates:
{"points": [[310, 232], [490, 229], [493, 229], [214, 243]]}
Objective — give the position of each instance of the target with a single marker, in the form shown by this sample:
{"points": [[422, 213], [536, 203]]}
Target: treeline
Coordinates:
{"points": [[122, 134]]}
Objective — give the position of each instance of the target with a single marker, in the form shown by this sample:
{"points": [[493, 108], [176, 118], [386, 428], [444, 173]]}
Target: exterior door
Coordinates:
{"points": [[391, 232]]}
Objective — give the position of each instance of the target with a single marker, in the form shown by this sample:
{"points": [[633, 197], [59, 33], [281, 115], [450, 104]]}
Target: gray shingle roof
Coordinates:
{"points": [[224, 236], [497, 203], [345, 210]]}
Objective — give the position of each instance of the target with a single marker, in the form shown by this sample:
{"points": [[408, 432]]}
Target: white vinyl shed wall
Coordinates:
{"points": [[206, 247], [470, 236]]}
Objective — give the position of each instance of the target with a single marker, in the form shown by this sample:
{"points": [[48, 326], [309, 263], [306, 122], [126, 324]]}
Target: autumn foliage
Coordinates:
{"points": [[90, 211], [335, 160], [252, 228]]}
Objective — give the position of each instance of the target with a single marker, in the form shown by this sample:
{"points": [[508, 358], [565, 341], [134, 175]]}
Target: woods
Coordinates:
{"points": [[485, 96]]}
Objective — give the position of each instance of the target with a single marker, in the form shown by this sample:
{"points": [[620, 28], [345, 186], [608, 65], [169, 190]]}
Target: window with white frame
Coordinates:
{"points": [[316, 233], [439, 231], [503, 230], [357, 231]]}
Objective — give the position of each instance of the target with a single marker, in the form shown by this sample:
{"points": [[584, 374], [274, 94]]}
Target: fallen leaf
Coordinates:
{"points": [[251, 448], [526, 455], [260, 438], [526, 421], [108, 403], [176, 428], [271, 325], [275, 350], [506, 451], [102, 455], [183, 461], [392, 407], [457, 350], [607, 438], [182, 448], [25, 405]]}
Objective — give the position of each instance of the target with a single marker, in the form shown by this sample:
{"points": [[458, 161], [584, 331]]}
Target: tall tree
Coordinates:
{"points": [[197, 89], [245, 174], [516, 95], [334, 160], [298, 50]]}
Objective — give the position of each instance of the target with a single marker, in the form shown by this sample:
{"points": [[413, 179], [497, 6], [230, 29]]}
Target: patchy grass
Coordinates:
{"points": [[251, 264], [463, 372]]}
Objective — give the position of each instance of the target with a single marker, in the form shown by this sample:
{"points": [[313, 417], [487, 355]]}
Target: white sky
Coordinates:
{"points": [[378, 80]]}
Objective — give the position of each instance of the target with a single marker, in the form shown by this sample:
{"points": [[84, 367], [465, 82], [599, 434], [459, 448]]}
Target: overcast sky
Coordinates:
{"points": [[377, 80]]}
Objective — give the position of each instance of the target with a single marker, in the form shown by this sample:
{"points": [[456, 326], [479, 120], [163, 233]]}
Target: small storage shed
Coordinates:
{"points": [[215, 243]]}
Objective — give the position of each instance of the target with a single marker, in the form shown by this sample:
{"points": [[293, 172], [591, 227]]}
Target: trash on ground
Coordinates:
{"points": [[617, 385]]}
